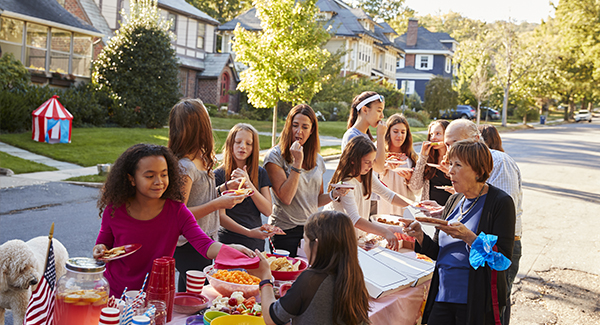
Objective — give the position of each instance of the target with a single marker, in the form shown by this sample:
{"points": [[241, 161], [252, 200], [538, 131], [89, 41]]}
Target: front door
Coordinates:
{"points": [[224, 88]]}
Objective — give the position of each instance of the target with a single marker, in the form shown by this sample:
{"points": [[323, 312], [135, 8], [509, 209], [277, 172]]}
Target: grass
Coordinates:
{"points": [[88, 178], [92, 146], [21, 166]]}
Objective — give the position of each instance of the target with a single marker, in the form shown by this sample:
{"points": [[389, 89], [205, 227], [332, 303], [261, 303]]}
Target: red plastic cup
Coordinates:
{"points": [[171, 282]]}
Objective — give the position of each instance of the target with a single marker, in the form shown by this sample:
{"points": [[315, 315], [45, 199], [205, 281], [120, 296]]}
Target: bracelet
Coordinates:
{"points": [[264, 283], [331, 196], [297, 170], [219, 190], [226, 189]]}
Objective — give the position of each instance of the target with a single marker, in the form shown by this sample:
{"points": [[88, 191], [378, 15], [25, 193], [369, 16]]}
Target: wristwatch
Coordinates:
{"points": [[265, 282]]}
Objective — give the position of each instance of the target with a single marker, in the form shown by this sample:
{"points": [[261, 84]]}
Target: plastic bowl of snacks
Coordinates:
{"points": [[285, 268], [189, 303], [210, 315], [228, 281], [238, 320]]}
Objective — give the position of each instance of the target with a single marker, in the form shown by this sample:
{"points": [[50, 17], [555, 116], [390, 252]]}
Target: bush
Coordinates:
{"points": [[439, 96], [415, 123], [13, 74], [332, 111], [139, 66], [421, 116], [414, 102]]}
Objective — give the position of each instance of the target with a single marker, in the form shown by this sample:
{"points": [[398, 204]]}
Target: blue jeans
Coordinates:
{"points": [[511, 274]]}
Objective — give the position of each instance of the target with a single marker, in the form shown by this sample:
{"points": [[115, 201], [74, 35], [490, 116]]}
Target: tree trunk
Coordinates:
{"points": [[571, 109], [479, 112], [525, 118], [505, 104], [274, 135]]}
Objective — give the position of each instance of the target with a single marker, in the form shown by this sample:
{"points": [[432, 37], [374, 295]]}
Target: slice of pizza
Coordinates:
{"points": [[272, 229], [436, 221], [114, 252]]}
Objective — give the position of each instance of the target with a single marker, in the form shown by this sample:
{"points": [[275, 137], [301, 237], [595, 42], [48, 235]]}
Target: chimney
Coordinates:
{"points": [[411, 32]]}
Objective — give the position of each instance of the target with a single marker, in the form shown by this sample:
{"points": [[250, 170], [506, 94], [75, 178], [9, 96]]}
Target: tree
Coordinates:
{"points": [[285, 58], [13, 74], [138, 66], [221, 10], [393, 12], [459, 27], [439, 96]]}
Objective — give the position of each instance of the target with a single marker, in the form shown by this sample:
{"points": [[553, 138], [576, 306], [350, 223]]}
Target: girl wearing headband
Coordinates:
{"points": [[367, 110]]}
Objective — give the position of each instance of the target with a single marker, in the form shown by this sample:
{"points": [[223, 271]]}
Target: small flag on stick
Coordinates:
{"points": [[40, 310]]}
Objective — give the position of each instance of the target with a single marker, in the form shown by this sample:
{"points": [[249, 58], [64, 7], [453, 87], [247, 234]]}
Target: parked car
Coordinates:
{"points": [[583, 115], [461, 111], [490, 113]]}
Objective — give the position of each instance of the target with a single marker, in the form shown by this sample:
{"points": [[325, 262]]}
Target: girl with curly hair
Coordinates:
{"points": [[141, 204]]}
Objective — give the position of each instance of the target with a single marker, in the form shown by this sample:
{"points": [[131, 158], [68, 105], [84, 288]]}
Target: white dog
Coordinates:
{"points": [[21, 267]]}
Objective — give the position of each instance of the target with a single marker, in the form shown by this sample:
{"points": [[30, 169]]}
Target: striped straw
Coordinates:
{"points": [[123, 295], [144, 284], [111, 302], [140, 296], [272, 246], [128, 317]]}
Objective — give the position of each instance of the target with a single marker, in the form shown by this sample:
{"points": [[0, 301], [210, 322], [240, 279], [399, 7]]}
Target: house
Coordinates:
{"points": [[53, 44], [372, 51], [427, 55], [203, 73]]}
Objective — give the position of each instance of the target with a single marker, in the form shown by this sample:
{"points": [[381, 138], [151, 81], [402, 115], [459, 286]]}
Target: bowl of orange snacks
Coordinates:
{"points": [[228, 281]]}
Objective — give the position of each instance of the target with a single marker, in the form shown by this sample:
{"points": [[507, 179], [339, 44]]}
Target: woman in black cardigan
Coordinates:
{"points": [[459, 293]]}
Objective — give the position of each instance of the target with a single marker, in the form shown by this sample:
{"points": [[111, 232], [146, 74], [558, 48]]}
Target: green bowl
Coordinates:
{"points": [[212, 314]]}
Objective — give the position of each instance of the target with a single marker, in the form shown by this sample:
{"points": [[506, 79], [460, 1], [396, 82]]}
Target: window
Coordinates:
{"points": [[448, 64], [173, 19], [408, 86], [424, 62], [11, 36], [36, 45], [82, 55], [60, 49], [400, 63], [201, 33]]}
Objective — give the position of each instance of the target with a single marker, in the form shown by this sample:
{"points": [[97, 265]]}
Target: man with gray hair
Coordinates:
{"points": [[505, 176]]}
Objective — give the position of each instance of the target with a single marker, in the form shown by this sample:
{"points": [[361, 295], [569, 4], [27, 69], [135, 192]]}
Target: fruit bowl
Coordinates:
{"points": [[227, 288]]}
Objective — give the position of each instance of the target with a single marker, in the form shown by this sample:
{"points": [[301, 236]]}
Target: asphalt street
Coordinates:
{"points": [[561, 177]]}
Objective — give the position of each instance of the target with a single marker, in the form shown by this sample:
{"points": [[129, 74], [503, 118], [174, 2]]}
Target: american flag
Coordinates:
{"points": [[40, 310]]}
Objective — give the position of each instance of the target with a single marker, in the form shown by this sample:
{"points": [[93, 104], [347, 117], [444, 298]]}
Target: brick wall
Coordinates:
{"points": [[208, 91], [187, 82], [409, 60], [74, 7]]}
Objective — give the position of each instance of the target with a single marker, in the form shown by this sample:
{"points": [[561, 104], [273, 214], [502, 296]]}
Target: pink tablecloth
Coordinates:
{"points": [[404, 306]]}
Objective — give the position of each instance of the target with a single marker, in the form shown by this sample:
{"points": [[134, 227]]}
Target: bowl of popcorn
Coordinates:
{"points": [[227, 282], [285, 268]]}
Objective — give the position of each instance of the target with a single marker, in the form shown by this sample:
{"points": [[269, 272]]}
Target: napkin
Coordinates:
{"points": [[482, 251], [230, 258]]}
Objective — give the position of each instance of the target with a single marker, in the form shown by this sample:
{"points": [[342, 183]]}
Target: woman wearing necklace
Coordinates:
{"points": [[459, 293]]}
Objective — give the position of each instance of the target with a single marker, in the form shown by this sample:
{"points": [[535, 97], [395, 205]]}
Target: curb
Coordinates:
{"points": [[86, 184]]}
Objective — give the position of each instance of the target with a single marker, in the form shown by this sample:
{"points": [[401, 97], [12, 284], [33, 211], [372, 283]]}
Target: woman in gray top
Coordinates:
{"points": [[296, 171]]}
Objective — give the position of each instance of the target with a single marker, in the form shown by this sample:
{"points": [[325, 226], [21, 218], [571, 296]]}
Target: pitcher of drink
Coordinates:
{"points": [[81, 293]]}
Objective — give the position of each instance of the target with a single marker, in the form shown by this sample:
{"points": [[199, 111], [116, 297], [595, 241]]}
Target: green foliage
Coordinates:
{"points": [[284, 59], [13, 74], [414, 123], [459, 27], [439, 96], [20, 166], [414, 101], [139, 68], [526, 111], [333, 111], [421, 116], [223, 11]]}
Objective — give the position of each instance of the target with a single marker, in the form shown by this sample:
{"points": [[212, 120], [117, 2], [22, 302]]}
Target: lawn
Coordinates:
{"points": [[21, 166], [91, 146]]}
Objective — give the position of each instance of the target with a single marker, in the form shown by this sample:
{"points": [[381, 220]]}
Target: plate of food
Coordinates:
{"points": [[270, 229], [445, 187], [433, 165], [428, 221], [396, 161], [342, 186], [119, 252], [243, 191], [285, 268], [389, 221]]}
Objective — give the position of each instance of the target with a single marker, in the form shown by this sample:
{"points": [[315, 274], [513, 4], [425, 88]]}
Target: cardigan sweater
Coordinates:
{"points": [[497, 218]]}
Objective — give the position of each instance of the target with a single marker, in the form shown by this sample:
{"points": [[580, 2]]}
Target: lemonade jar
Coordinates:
{"points": [[81, 293]]}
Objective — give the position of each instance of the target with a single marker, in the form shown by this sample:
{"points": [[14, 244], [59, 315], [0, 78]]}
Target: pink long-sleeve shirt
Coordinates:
{"points": [[158, 237]]}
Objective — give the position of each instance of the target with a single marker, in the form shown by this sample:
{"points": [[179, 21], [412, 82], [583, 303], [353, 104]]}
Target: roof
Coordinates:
{"points": [[345, 22], [93, 12], [215, 63], [186, 8], [48, 10], [412, 70], [197, 64], [426, 40]]}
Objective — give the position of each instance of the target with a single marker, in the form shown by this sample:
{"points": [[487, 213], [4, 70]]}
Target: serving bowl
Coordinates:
{"points": [[210, 315], [227, 288], [189, 303], [288, 275], [238, 320]]}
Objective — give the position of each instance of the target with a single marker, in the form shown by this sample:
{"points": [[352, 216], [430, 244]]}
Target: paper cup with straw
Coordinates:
{"points": [[195, 281]]}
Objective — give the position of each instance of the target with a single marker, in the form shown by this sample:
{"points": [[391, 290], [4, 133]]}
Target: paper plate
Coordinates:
{"points": [[129, 249], [342, 186], [230, 258]]}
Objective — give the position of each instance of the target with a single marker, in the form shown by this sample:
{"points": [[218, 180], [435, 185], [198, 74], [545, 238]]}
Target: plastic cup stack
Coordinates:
{"points": [[109, 316], [140, 320], [195, 281], [161, 284]]}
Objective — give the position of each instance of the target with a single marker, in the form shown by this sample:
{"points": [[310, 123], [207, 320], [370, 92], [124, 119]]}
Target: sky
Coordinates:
{"points": [[532, 11]]}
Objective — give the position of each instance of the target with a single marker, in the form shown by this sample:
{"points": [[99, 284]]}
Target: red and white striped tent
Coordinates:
{"points": [[52, 122]]}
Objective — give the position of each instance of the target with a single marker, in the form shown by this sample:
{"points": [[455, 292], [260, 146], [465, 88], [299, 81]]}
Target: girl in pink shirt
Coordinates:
{"points": [[141, 204]]}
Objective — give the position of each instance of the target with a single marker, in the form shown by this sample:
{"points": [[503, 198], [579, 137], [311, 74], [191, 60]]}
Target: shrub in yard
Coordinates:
{"points": [[415, 123], [439, 96], [332, 111], [139, 67], [13, 74]]}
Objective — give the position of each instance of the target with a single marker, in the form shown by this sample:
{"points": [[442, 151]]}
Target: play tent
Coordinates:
{"points": [[52, 122]]}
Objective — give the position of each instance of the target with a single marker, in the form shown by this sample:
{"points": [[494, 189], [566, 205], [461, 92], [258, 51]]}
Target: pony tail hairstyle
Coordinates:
{"points": [[354, 112], [229, 164], [337, 254]]}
